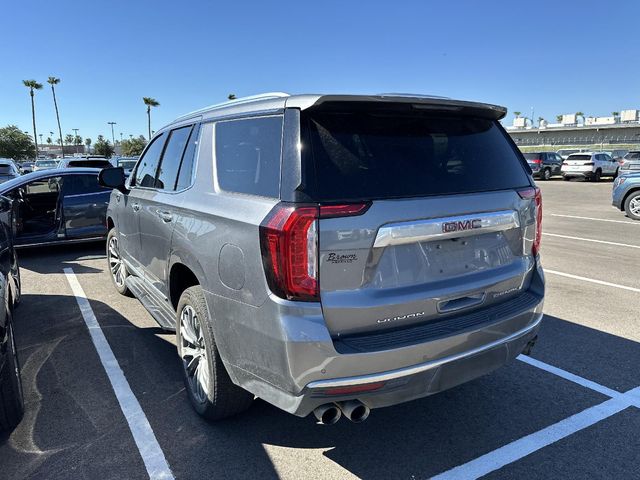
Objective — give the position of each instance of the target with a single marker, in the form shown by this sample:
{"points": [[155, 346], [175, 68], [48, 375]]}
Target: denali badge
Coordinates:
{"points": [[401, 317], [448, 227]]}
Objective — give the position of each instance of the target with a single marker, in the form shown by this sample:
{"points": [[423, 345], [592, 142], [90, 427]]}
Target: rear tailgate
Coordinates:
{"points": [[392, 267], [446, 231]]}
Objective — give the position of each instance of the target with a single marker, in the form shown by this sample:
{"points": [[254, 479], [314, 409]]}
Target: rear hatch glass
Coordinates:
{"points": [[376, 155], [90, 163], [424, 249]]}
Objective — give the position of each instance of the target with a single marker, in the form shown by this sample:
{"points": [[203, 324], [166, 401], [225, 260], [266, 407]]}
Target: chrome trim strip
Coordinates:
{"points": [[421, 367], [434, 229]]}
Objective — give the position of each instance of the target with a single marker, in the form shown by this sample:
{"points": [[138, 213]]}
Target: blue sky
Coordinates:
{"points": [[557, 57]]}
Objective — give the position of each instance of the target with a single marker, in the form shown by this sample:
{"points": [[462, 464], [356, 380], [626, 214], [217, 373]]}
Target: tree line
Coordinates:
{"points": [[19, 145]]}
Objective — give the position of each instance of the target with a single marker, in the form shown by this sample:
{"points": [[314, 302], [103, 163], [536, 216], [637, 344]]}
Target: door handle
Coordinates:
{"points": [[164, 215], [136, 207]]}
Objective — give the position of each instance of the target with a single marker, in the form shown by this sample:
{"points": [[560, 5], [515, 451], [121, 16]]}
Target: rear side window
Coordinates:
{"points": [[186, 167], [176, 144], [248, 155], [148, 164], [378, 155]]}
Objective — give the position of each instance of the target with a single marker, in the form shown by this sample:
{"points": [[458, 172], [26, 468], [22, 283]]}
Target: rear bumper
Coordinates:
{"points": [[293, 362], [585, 174]]}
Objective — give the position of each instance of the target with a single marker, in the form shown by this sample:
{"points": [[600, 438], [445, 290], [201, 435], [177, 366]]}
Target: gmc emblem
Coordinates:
{"points": [[459, 226]]}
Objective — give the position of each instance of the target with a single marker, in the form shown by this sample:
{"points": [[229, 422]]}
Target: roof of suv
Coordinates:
{"points": [[279, 101]]}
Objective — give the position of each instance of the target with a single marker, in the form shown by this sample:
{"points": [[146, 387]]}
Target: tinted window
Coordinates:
{"points": [[81, 184], [168, 172], [370, 155], [632, 156], [248, 155], [6, 170], [532, 156], [90, 163], [186, 168], [579, 157], [146, 171]]}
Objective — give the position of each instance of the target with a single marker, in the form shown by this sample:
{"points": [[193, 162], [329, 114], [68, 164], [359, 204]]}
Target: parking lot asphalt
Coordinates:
{"points": [[566, 416]]}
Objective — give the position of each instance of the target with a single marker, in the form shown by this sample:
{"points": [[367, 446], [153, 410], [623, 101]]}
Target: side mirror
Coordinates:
{"points": [[113, 178]]}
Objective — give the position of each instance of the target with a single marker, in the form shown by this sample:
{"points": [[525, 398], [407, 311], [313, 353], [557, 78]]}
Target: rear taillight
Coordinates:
{"points": [[588, 163], [289, 245], [534, 193], [537, 161]]}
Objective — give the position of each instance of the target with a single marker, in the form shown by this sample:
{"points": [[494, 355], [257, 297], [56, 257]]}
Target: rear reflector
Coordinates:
{"points": [[536, 195], [368, 387]]}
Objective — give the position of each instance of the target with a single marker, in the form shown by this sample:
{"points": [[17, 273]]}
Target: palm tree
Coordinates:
{"points": [[87, 142], [540, 120], [68, 139], [49, 142], [581, 115], [517, 114], [55, 81], [150, 102], [33, 85], [559, 118]]}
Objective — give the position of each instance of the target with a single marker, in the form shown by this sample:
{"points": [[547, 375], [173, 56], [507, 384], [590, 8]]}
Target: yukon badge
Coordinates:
{"points": [[448, 227], [401, 317]]}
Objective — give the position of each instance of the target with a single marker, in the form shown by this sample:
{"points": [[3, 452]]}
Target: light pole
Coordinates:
{"points": [[113, 137], [75, 139]]}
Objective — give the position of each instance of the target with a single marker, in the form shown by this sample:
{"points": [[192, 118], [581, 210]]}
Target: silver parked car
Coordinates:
{"points": [[630, 163], [331, 253]]}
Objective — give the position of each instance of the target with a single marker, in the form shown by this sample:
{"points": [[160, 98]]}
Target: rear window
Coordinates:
{"points": [[632, 156], [579, 157], [532, 156], [370, 155], [90, 163], [6, 170]]}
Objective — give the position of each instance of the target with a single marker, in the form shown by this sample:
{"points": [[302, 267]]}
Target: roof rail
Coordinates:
{"points": [[236, 101]]}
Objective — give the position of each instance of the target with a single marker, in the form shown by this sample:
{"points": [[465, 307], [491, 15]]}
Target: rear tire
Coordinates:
{"points": [[632, 206], [11, 395], [546, 174], [117, 269], [597, 176], [210, 389]]}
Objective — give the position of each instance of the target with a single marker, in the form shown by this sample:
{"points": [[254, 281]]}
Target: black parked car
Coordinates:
{"points": [[58, 206], [11, 399], [544, 165]]}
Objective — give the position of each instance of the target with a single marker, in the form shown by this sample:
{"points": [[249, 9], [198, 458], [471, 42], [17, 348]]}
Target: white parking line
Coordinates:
{"points": [[591, 280], [524, 446], [569, 376], [590, 240], [596, 219], [150, 451]]}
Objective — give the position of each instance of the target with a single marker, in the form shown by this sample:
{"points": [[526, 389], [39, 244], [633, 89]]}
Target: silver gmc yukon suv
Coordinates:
{"points": [[331, 253]]}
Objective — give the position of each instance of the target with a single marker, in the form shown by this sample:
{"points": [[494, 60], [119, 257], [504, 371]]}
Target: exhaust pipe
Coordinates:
{"points": [[354, 410], [327, 414]]}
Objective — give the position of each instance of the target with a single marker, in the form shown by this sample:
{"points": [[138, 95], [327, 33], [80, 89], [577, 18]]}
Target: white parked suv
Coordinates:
{"points": [[589, 165]]}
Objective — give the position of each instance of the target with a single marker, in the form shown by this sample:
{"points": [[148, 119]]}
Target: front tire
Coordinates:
{"points": [[11, 395], [632, 206], [117, 269], [210, 389]]}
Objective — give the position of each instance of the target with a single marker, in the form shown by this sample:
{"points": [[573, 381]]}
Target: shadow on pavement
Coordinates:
{"points": [[74, 428], [53, 258]]}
